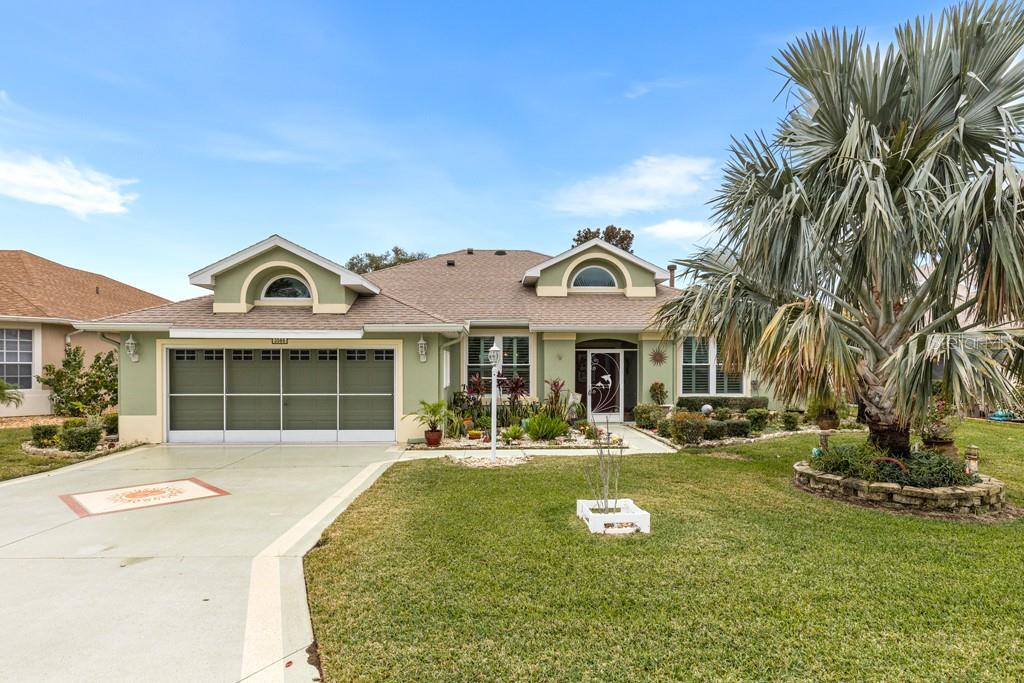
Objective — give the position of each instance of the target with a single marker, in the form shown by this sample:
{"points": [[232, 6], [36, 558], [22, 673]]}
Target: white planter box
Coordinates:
{"points": [[627, 520]]}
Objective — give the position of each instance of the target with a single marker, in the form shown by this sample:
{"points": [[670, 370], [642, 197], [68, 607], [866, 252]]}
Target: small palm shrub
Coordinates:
{"points": [[45, 436], [646, 415], [758, 418], [81, 439], [513, 433], [739, 426], [714, 430], [688, 427], [790, 421], [544, 427]]}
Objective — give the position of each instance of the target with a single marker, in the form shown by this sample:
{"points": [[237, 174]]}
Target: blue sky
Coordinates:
{"points": [[146, 140]]}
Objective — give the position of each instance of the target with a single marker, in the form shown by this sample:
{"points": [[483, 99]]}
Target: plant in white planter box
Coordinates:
{"points": [[606, 512]]}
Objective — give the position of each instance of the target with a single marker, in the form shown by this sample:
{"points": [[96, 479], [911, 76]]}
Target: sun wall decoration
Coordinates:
{"points": [[658, 356]]}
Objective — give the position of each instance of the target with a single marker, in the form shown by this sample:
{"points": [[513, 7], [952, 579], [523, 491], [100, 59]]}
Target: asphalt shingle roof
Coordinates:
{"points": [[31, 286], [479, 286]]}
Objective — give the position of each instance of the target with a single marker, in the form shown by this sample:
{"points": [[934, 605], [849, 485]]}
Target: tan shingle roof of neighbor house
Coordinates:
{"points": [[34, 287], [482, 286]]}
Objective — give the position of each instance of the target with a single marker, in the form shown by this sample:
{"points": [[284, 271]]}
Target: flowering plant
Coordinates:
{"points": [[940, 422]]}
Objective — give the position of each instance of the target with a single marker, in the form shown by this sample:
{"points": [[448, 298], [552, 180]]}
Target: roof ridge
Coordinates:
{"points": [[42, 312], [415, 308], [150, 308]]}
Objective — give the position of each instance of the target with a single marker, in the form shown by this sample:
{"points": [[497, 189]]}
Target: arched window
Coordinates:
{"points": [[594, 276], [287, 287]]}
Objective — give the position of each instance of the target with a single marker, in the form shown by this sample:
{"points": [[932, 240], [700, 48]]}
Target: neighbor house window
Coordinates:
{"points": [[16, 357], [594, 276], [697, 357], [288, 287], [515, 353]]}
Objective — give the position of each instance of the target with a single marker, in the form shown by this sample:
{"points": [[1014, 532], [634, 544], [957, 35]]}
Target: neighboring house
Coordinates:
{"points": [[292, 346], [40, 302]]}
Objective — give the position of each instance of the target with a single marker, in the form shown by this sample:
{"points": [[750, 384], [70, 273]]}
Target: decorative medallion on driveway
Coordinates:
{"points": [[105, 501]]}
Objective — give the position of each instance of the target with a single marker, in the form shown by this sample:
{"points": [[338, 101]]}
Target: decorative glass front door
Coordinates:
{"points": [[604, 385]]}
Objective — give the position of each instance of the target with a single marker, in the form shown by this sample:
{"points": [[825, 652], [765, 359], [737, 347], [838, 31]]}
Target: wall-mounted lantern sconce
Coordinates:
{"points": [[131, 347], [421, 347]]}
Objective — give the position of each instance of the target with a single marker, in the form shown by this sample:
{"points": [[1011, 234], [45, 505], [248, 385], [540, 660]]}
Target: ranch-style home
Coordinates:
{"points": [[291, 346]]}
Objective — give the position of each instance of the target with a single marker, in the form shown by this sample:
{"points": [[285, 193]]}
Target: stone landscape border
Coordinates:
{"points": [[987, 496]]}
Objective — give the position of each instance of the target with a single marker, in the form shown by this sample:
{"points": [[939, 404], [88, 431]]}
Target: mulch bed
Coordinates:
{"points": [[22, 421]]}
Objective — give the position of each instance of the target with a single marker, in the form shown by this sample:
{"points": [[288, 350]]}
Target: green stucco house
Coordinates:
{"points": [[291, 346]]}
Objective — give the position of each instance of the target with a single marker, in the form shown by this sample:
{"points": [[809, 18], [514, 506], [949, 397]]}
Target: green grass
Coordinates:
{"points": [[444, 573], [15, 462]]}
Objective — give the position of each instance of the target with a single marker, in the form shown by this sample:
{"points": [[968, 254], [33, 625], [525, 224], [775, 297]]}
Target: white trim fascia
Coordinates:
{"points": [[36, 319], [122, 327], [215, 333], [531, 276], [586, 328], [414, 327], [204, 277]]}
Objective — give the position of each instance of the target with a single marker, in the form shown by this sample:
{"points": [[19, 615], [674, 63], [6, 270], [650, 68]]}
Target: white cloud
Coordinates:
{"points": [[678, 229], [650, 183], [77, 189], [641, 88]]}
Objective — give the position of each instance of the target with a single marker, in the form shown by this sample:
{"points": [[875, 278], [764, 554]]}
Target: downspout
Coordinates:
{"points": [[104, 337]]}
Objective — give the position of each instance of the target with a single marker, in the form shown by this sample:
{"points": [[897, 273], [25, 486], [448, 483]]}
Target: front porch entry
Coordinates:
{"points": [[606, 378]]}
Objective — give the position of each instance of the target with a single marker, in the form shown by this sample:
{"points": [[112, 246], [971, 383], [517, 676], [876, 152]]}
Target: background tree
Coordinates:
{"points": [[368, 262], [876, 238], [620, 237]]}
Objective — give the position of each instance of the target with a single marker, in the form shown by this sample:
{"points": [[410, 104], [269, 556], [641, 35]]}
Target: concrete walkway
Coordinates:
{"points": [[203, 590], [636, 443]]}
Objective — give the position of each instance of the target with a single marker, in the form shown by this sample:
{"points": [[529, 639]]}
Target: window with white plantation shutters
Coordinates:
{"points": [[696, 362], [728, 382], [515, 357]]}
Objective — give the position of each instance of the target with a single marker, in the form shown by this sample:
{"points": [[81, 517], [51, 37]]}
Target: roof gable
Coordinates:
{"points": [[533, 274], [205, 277]]}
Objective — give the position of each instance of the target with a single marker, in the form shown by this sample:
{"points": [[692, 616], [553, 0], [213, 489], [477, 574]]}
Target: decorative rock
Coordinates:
{"points": [[988, 495]]}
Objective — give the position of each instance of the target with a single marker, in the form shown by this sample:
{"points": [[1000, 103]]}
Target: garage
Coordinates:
{"points": [[256, 395]]}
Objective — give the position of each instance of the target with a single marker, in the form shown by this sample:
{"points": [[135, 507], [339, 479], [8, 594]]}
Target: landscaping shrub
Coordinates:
{"points": [[646, 415], [722, 413], [110, 423], [44, 436], [74, 422], [688, 427], [850, 460], [714, 430], [544, 427], [77, 389], [483, 423], [758, 418], [659, 394], [81, 439], [928, 469], [739, 426], [665, 428], [738, 403], [591, 432], [790, 421], [513, 433]]}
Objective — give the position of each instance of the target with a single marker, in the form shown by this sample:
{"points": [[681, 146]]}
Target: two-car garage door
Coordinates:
{"points": [[266, 395]]}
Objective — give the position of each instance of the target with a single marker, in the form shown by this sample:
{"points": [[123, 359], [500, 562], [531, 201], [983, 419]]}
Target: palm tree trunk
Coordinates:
{"points": [[885, 431]]}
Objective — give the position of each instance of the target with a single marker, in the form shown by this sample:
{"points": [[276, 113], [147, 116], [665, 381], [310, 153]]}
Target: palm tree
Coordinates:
{"points": [[9, 394], [875, 242]]}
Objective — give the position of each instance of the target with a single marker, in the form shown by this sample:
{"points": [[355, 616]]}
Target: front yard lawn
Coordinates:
{"points": [[15, 462], [440, 572]]}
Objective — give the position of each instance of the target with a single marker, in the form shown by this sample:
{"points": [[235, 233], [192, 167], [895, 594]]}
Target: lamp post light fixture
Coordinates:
{"points": [[421, 348], [131, 347], [494, 355]]}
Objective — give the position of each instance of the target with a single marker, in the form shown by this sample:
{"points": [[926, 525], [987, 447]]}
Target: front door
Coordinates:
{"points": [[604, 385]]}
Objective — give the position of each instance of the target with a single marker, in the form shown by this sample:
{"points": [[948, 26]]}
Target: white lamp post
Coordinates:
{"points": [[494, 355]]}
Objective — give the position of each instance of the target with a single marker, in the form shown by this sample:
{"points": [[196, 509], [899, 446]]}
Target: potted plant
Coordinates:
{"points": [[938, 425], [824, 411], [432, 416], [606, 513]]}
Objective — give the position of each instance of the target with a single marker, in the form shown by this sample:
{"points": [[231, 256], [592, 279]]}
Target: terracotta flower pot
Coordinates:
{"points": [[433, 437]]}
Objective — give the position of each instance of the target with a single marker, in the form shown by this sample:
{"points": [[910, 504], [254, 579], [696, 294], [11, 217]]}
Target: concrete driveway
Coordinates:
{"points": [[202, 590]]}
